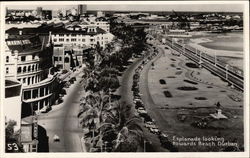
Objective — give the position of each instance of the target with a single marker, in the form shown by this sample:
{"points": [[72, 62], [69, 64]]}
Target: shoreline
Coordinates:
{"points": [[234, 58]]}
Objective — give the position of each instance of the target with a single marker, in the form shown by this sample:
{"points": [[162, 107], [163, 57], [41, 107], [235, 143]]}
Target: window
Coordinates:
{"points": [[73, 35], [61, 35], [33, 56], [67, 40], [35, 93], [28, 80], [19, 70], [61, 39], [24, 80], [73, 40], [24, 69], [60, 58], [29, 68], [66, 60], [7, 70], [83, 40], [23, 58], [55, 58], [55, 40], [27, 95], [41, 92], [7, 59]]}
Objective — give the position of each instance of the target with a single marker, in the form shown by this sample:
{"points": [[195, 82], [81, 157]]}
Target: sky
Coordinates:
{"points": [[145, 7]]}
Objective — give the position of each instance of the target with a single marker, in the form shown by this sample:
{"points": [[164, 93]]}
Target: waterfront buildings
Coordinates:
{"points": [[76, 36], [28, 60]]}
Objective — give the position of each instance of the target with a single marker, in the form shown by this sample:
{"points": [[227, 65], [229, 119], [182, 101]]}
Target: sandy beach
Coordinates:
{"points": [[233, 58]]}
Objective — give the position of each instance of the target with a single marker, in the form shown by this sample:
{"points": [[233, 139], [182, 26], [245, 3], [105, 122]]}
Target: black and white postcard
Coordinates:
{"points": [[125, 77]]}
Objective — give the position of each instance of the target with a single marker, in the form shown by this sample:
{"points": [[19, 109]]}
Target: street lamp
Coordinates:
{"points": [[200, 60], [215, 58], [183, 46], [144, 145], [227, 72], [105, 146]]}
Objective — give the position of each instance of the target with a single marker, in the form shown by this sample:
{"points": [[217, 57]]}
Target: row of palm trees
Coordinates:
{"points": [[108, 124]]}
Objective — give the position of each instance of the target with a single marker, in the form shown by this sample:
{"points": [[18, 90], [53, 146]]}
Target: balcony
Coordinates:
{"points": [[19, 74]]}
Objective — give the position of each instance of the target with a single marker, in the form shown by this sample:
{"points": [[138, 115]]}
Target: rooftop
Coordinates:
{"points": [[54, 28], [24, 43]]}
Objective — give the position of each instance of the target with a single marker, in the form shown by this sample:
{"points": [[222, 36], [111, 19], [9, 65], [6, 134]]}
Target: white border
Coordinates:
{"points": [[126, 155]]}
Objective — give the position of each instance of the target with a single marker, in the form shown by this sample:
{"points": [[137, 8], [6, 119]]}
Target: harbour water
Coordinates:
{"points": [[232, 41], [228, 46]]}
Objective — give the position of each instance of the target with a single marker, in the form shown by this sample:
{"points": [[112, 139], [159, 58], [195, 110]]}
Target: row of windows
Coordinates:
{"points": [[33, 79], [30, 80], [18, 42], [23, 58], [7, 59], [28, 69], [62, 39], [62, 35], [35, 93], [66, 59], [67, 40]]}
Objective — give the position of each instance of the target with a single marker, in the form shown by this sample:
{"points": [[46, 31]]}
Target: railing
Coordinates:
{"points": [[232, 74]]}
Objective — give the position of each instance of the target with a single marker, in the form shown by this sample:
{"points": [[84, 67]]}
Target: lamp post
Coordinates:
{"points": [[183, 46], [227, 72], [105, 146], [144, 145], [200, 60], [215, 58]]}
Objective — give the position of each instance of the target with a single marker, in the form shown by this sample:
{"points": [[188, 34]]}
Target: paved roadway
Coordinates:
{"points": [[62, 120], [127, 96]]}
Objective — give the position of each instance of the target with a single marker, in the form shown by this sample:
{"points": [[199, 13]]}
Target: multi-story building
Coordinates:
{"points": [[29, 60], [67, 57], [90, 36], [82, 9]]}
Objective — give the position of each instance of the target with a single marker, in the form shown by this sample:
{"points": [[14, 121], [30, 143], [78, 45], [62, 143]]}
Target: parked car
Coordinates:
{"points": [[150, 124], [56, 138], [154, 130], [141, 110]]}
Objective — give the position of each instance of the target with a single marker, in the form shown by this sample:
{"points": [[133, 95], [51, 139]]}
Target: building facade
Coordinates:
{"points": [[82, 9], [29, 61], [82, 37]]}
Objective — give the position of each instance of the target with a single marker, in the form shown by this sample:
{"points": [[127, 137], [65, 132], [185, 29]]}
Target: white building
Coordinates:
{"points": [[28, 61], [76, 36], [100, 14]]}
